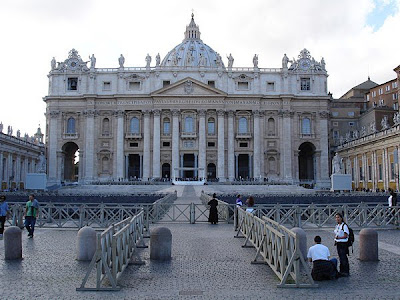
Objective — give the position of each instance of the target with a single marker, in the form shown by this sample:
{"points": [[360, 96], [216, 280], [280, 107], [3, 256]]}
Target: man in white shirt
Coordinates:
{"points": [[323, 267]]}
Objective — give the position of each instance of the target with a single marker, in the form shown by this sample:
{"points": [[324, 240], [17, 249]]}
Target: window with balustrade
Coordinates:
{"points": [[134, 126], [243, 126], [306, 126], [71, 125], [166, 126], [211, 126]]}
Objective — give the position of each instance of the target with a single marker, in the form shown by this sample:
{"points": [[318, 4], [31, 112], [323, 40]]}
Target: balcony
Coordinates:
{"points": [[188, 135], [71, 136], [133, 136], [243, 136]]}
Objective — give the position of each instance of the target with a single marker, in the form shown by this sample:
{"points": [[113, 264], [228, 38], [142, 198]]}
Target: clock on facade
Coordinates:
{"points": [[73, 64], [304, 64]]}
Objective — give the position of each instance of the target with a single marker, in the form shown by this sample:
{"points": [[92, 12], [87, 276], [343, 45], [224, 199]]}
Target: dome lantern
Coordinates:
{"points": [[192, 31]]}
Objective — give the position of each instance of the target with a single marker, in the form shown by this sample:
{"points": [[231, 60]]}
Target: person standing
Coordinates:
{"points": [[3, 214], [324, 268], [341, 238], [239, 202], [250, 204], [31, 212], [213, 216]]}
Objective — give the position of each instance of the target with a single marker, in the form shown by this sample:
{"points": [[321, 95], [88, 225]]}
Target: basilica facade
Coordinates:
{"points": [[188, 116]]}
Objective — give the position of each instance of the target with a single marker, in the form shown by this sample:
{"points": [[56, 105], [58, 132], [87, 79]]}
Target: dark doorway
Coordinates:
{"points": [[211, 171], [188, 162], [306, 162], [134, 166], [166, 171], [71, 163], [243, 166]]}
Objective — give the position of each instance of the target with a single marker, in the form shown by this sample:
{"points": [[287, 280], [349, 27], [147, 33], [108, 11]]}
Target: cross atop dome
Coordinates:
{"points": [[192, 30]]}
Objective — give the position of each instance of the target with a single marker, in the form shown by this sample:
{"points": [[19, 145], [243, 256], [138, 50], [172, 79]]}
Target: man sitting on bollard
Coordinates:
{"points": [[323, 267]]}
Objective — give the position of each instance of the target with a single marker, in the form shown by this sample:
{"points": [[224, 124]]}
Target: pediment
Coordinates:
{"points": [[188, 87]]}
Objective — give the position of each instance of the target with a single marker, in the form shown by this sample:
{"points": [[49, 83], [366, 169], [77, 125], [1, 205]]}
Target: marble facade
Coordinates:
{"points": [[188, 110]]}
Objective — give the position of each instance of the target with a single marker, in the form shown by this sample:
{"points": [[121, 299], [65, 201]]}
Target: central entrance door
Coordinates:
{"points": [[188, 162], [243, 166], [134, 166]]}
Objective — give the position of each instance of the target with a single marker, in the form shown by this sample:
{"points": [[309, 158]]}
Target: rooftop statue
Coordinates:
{"points": [[255, 61], [285, 61], [53, 64], [158, 60], [148, 61], [92, 61], [1, 127], [230, 60], [121, 61]]}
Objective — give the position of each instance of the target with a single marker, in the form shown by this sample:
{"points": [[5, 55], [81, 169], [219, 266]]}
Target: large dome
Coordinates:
{"points": [[192, 52]]}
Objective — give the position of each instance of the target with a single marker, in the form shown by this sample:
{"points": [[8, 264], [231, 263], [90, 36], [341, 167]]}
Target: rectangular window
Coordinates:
{"points": [[270, 86], [211, 144], [336, 134], [107, 86], [367, 97], [335, 124], [211, 128], [166, 128], [380, 92], [395, 106], [350, 113], [211, 83], [305, 84], [381, 102], [335, 114], [134, 86], [351, 123], [166, 83], [166, 144], [380, 172], [361, 174], [374, 94], [387, 88], [369, 173], [243, 86], [72, 84], [134, 145], [243, 145]]}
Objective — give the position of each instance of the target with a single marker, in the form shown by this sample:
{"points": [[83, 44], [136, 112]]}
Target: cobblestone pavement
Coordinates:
{"points": [[207, 263]]}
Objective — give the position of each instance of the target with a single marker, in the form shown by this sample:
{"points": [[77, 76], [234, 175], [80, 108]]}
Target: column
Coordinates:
{"points": [[231, 147], [156, 144], [202, 142], [221, 146], [287, 144], [52, 147], [141, 165], [120, 145], [296, 165], [175, 143], [60, 162], [324, 142], [1, 168], [196, 165], [17, 170], [181, 166], [89, 145], [256, 142], [386, 168], [146, 146], [81, 166], [374, 171], [251, 171]]}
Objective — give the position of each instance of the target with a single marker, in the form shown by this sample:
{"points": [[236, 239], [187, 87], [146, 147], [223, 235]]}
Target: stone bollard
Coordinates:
{"points": [[160, 244], [13, 243], [302, 236], [368, 243], [86, 246]]}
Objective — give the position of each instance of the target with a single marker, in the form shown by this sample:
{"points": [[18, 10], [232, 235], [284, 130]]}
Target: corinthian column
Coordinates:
{"points": [[231, 147], [287, 145], [120, 145], [53, 134], [156, 144], [324, 142], [175, 143], [202, 142], [256, 141], [89, 145], [146, 146], [221, 146]]}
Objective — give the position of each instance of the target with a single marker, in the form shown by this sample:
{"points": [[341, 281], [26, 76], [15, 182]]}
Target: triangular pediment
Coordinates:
{"points": [[188, 87]]}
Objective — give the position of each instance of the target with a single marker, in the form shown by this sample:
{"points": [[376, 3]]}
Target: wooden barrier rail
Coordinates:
{"points": [[276, 246], [116, 249]]}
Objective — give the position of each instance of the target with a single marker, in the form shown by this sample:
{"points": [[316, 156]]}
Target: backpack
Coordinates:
{"points": [[350, 239]]}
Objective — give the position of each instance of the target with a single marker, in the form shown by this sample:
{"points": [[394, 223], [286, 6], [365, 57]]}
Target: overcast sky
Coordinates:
{"points": [[357, 38]]}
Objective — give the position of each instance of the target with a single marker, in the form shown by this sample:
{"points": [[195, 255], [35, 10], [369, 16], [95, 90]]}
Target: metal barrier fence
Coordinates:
{"points": [[116, 247], [357, 215], [277, 246]]}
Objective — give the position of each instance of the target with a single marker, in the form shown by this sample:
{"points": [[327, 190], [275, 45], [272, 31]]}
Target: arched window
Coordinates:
{"points": [[134, 128], [271, 126], [71, 125], [166, 126], [105, 164], [306, 126], [106, 126], [188, 124], [243, 125], [211, 126]]}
